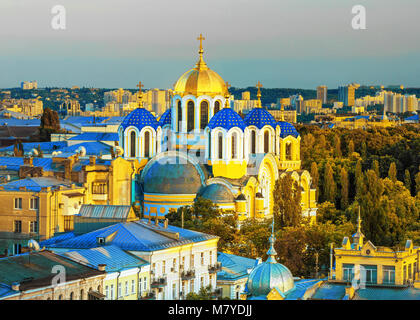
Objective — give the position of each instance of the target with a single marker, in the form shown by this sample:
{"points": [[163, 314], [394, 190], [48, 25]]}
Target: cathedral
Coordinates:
{"points": [[200, 147]]}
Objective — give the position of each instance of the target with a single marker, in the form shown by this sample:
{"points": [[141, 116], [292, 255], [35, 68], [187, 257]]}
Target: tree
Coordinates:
{"points": [[315, 178], [358, 176], [407, 180], [375, 167], [417, 183], [40, 152], [350, 148], [329, 184], [205, 293], [205, 216], [287, 209], [337, 146], [392, 172], [18, 149], [50, 123], [344, 180]]}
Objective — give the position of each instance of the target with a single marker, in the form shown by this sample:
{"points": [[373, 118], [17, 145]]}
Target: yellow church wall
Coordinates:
{"points": [[232, 169]]}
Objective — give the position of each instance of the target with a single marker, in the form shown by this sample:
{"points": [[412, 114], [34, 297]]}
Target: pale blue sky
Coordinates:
{"points": [[287, 43]]}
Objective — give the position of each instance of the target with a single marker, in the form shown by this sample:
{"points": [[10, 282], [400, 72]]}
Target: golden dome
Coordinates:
{"points": [[200, 80]]}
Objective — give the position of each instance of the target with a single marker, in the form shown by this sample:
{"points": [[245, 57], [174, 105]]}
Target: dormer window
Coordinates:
{"points": [[101, 240]]}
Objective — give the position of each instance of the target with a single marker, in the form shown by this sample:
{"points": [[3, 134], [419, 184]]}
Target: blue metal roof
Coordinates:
{"points": [[11, 122], [134, 236], [165, 118], [227, 119], [413, 118], [34, 184], [114, 258], [14, 163], [104, 211], [92, 148], [96, 136], [139, 118], [287, 129], [301, 286], [47, 147], [233, 267], [57, 239], [259, 117], [330, 291]]}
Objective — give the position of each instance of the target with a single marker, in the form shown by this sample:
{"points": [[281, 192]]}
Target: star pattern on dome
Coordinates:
{"points": [[165, 118], [259, 117], [227, 119], [140, 118], [287, 129]]}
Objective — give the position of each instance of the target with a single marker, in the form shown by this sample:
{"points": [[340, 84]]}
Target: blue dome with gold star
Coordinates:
{"points": [[165, 118], [226, 119], [287, 129], [259, 117], [139, 118]]}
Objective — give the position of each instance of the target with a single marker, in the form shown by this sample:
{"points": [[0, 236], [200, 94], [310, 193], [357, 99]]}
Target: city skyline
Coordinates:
{"points": [[295, 44]]}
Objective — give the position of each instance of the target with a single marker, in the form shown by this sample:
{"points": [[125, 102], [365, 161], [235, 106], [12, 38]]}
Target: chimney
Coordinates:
{"points": [[101, 267], [92, 160], [15, 286], [28, 161], [165, 223]]}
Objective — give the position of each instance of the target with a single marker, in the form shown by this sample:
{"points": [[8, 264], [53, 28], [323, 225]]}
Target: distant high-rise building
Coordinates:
{"points": [[157, 100], [246, 95], [296, 102], [321, 93], [346, 94], [399, 103], [29, 85]]}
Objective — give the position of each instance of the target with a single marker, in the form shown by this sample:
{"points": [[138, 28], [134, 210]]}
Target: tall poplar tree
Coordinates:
{"points": [[344, 180], [329, 184]]}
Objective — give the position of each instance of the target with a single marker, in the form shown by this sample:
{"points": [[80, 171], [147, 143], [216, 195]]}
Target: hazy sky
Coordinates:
{"points": [[282, 43]]}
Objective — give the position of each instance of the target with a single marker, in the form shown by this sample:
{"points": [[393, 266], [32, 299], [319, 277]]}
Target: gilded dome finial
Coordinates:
{"points": [[227, 95], [140, 94], [201, 65], [259, 86]]}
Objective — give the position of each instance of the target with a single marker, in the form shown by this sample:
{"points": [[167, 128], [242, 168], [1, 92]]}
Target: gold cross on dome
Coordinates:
{"points": [[259, 85], [228, 85], [140, 85], [201, 38]]}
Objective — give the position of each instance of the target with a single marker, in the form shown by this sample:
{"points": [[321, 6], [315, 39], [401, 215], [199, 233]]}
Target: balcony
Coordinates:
{"points": [[188, 275], [148, 296], [158, 282], [215, 267]]}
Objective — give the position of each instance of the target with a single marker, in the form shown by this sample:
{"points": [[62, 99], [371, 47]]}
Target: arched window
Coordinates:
{"points": [[216, 107], [60, 297], [132, 144], [253, 141], [220, 145], [71, 296], [204, 114], [288, 151], [266, 141], [234, 153], [190, 116], [178, 125], [147, 144], [81, 294]]}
